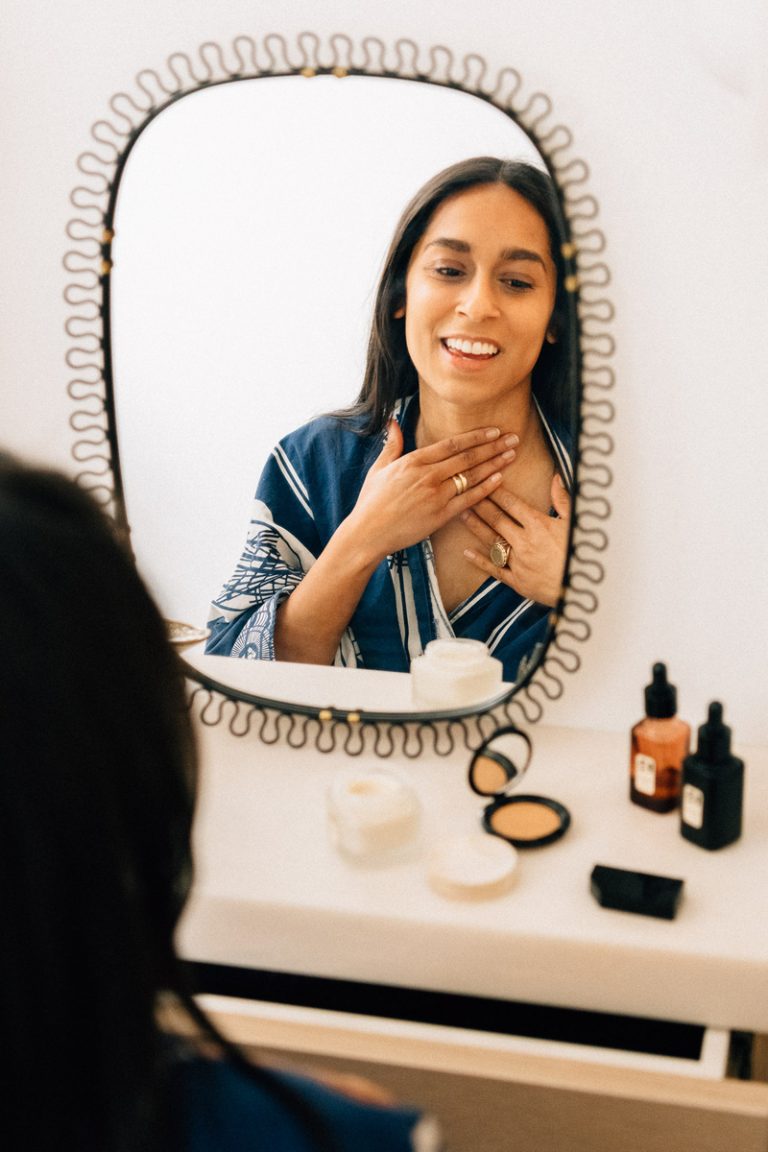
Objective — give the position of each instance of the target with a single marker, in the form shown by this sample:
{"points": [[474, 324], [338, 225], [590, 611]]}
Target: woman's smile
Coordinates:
{"points": [[465, 348]]}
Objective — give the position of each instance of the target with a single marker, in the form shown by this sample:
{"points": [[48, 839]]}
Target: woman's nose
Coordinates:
{"points": [[478, 300]]}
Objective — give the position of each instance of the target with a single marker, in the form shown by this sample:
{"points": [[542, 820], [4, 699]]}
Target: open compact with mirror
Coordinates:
{"points": [[475, 865], [222, 273], [496, 769]]}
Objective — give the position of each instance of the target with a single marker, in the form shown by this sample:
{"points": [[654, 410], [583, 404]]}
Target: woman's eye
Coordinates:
{"points": [[517, 285], [447, 271]]}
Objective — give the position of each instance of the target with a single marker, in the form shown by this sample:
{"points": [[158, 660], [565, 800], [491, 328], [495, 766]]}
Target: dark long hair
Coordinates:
{"points": [[97, 796], [389, 372]]}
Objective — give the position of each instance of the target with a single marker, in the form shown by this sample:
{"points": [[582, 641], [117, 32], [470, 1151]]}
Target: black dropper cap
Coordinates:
{"points": [[714, 736], [660, 696]]}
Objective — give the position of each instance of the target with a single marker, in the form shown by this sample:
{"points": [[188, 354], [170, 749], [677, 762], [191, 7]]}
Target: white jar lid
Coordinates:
{"points": [[475, 866]]}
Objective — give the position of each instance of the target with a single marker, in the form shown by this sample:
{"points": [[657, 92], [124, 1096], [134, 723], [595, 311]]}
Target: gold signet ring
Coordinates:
{"points": [[499, 553], [461, 483]]}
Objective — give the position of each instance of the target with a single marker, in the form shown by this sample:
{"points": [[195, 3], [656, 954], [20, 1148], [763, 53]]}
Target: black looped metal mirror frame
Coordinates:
{"points": [[96, 449]]}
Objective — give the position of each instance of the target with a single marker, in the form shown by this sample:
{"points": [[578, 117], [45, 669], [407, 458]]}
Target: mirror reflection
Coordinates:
{"points": [[242, 294], [501, 761]]}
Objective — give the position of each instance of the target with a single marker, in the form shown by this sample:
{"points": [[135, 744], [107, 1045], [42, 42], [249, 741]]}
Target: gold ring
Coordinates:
{"points": [[499, 553], [461, 483]]}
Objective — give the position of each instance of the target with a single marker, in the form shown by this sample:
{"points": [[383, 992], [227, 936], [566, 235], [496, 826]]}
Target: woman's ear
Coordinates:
{"points": [[399, 312], [550, 337]]}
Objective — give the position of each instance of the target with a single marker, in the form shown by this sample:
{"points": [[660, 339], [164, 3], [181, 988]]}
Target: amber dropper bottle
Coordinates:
{"points": [[660, 743]]}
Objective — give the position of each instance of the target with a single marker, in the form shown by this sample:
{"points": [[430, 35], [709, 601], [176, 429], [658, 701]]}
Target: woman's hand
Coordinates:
{"points": [[406, 498], [537, 542], [403, 499]]}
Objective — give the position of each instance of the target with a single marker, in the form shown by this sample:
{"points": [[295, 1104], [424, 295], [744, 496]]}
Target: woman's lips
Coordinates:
{"points": [[466, 349]]}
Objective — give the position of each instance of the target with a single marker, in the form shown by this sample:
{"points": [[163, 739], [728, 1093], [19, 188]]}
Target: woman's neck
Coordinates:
{"points": [[439, 420]]}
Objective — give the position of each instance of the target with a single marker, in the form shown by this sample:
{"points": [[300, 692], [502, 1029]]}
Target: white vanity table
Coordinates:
{"points": [[273, 894]]}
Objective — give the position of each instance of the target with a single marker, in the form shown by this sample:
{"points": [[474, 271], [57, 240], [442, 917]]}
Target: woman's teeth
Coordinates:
{"points": [[472, 347]]}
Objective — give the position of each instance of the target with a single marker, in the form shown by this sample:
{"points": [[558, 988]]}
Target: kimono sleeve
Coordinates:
{"points": [[280, 548]]}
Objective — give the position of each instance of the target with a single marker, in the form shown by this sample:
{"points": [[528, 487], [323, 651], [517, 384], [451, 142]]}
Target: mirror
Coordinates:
{"points": [[242, 290], [500, 762], [250, 221]]}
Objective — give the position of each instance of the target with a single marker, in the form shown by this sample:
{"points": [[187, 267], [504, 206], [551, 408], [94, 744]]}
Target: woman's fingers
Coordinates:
{"points": [[468, 468], [459, 463], [476, 491], [456, 445], [393, 447], [467, 450], [482, 560], [459, 483], [409, 495], [538, 544], [484, 533], [450, 470], [498, 453], [508, 507], [496, 518]]}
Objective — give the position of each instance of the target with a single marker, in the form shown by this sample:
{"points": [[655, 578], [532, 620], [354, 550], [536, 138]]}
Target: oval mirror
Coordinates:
{"points": [[246, 226]]}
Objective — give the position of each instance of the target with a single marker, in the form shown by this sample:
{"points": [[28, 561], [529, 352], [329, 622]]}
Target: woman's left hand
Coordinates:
{"points": [[537, 542]]}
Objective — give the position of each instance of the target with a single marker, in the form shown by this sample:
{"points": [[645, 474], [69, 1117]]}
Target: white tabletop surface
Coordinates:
{"points": [[271, 892]]}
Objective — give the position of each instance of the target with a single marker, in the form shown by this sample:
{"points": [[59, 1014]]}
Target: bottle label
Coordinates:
{"points": [[693, 806], [645, 774]]}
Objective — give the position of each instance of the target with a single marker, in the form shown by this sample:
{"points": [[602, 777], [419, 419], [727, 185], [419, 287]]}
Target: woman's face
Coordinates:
{"points": [[480, 290]]}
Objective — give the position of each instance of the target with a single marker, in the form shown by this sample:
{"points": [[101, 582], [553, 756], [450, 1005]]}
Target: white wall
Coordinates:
{"points": [[668, 104]]}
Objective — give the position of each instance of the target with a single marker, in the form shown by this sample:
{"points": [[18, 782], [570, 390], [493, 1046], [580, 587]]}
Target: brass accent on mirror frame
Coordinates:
{"points": [[96, 449]]}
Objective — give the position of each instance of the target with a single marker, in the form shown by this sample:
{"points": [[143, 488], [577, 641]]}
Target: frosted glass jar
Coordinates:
{"points": [[455, 673], [373, 816]]}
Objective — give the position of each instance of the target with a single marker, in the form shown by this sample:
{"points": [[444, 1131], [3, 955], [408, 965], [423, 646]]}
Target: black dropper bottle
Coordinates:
{"points": [[713, 786]]}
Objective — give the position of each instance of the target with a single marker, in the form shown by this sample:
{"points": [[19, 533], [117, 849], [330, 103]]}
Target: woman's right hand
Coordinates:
{"points": [[404, 499]]}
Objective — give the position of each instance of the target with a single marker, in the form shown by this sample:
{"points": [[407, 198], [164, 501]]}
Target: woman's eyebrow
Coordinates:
{"points": [[509, 254], [447, 242], [523, 254]]}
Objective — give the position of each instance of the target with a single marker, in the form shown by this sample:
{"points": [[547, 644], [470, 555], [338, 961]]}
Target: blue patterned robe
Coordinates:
{"points": [[309, 485]]}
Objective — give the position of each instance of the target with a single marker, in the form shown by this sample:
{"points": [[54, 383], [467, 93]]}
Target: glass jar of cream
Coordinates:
{"points": [[373, 816], [454, 673]]}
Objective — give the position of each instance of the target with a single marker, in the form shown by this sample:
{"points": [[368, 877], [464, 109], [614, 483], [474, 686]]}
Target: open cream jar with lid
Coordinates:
{"points": [[496, 768]]}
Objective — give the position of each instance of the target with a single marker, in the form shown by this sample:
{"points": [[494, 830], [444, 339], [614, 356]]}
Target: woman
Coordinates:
{"points": [[360, 553], [97, 787]]}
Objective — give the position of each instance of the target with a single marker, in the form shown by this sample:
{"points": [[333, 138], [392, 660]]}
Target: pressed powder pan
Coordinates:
{"points": [[527, 821], [495, 770]]}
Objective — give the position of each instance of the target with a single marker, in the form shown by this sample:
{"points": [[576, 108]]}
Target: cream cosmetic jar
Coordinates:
{"points": [[454, 673], [373, 816]]}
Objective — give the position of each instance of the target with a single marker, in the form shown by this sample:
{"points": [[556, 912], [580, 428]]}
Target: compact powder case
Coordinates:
{"points": [[495, 770]]}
